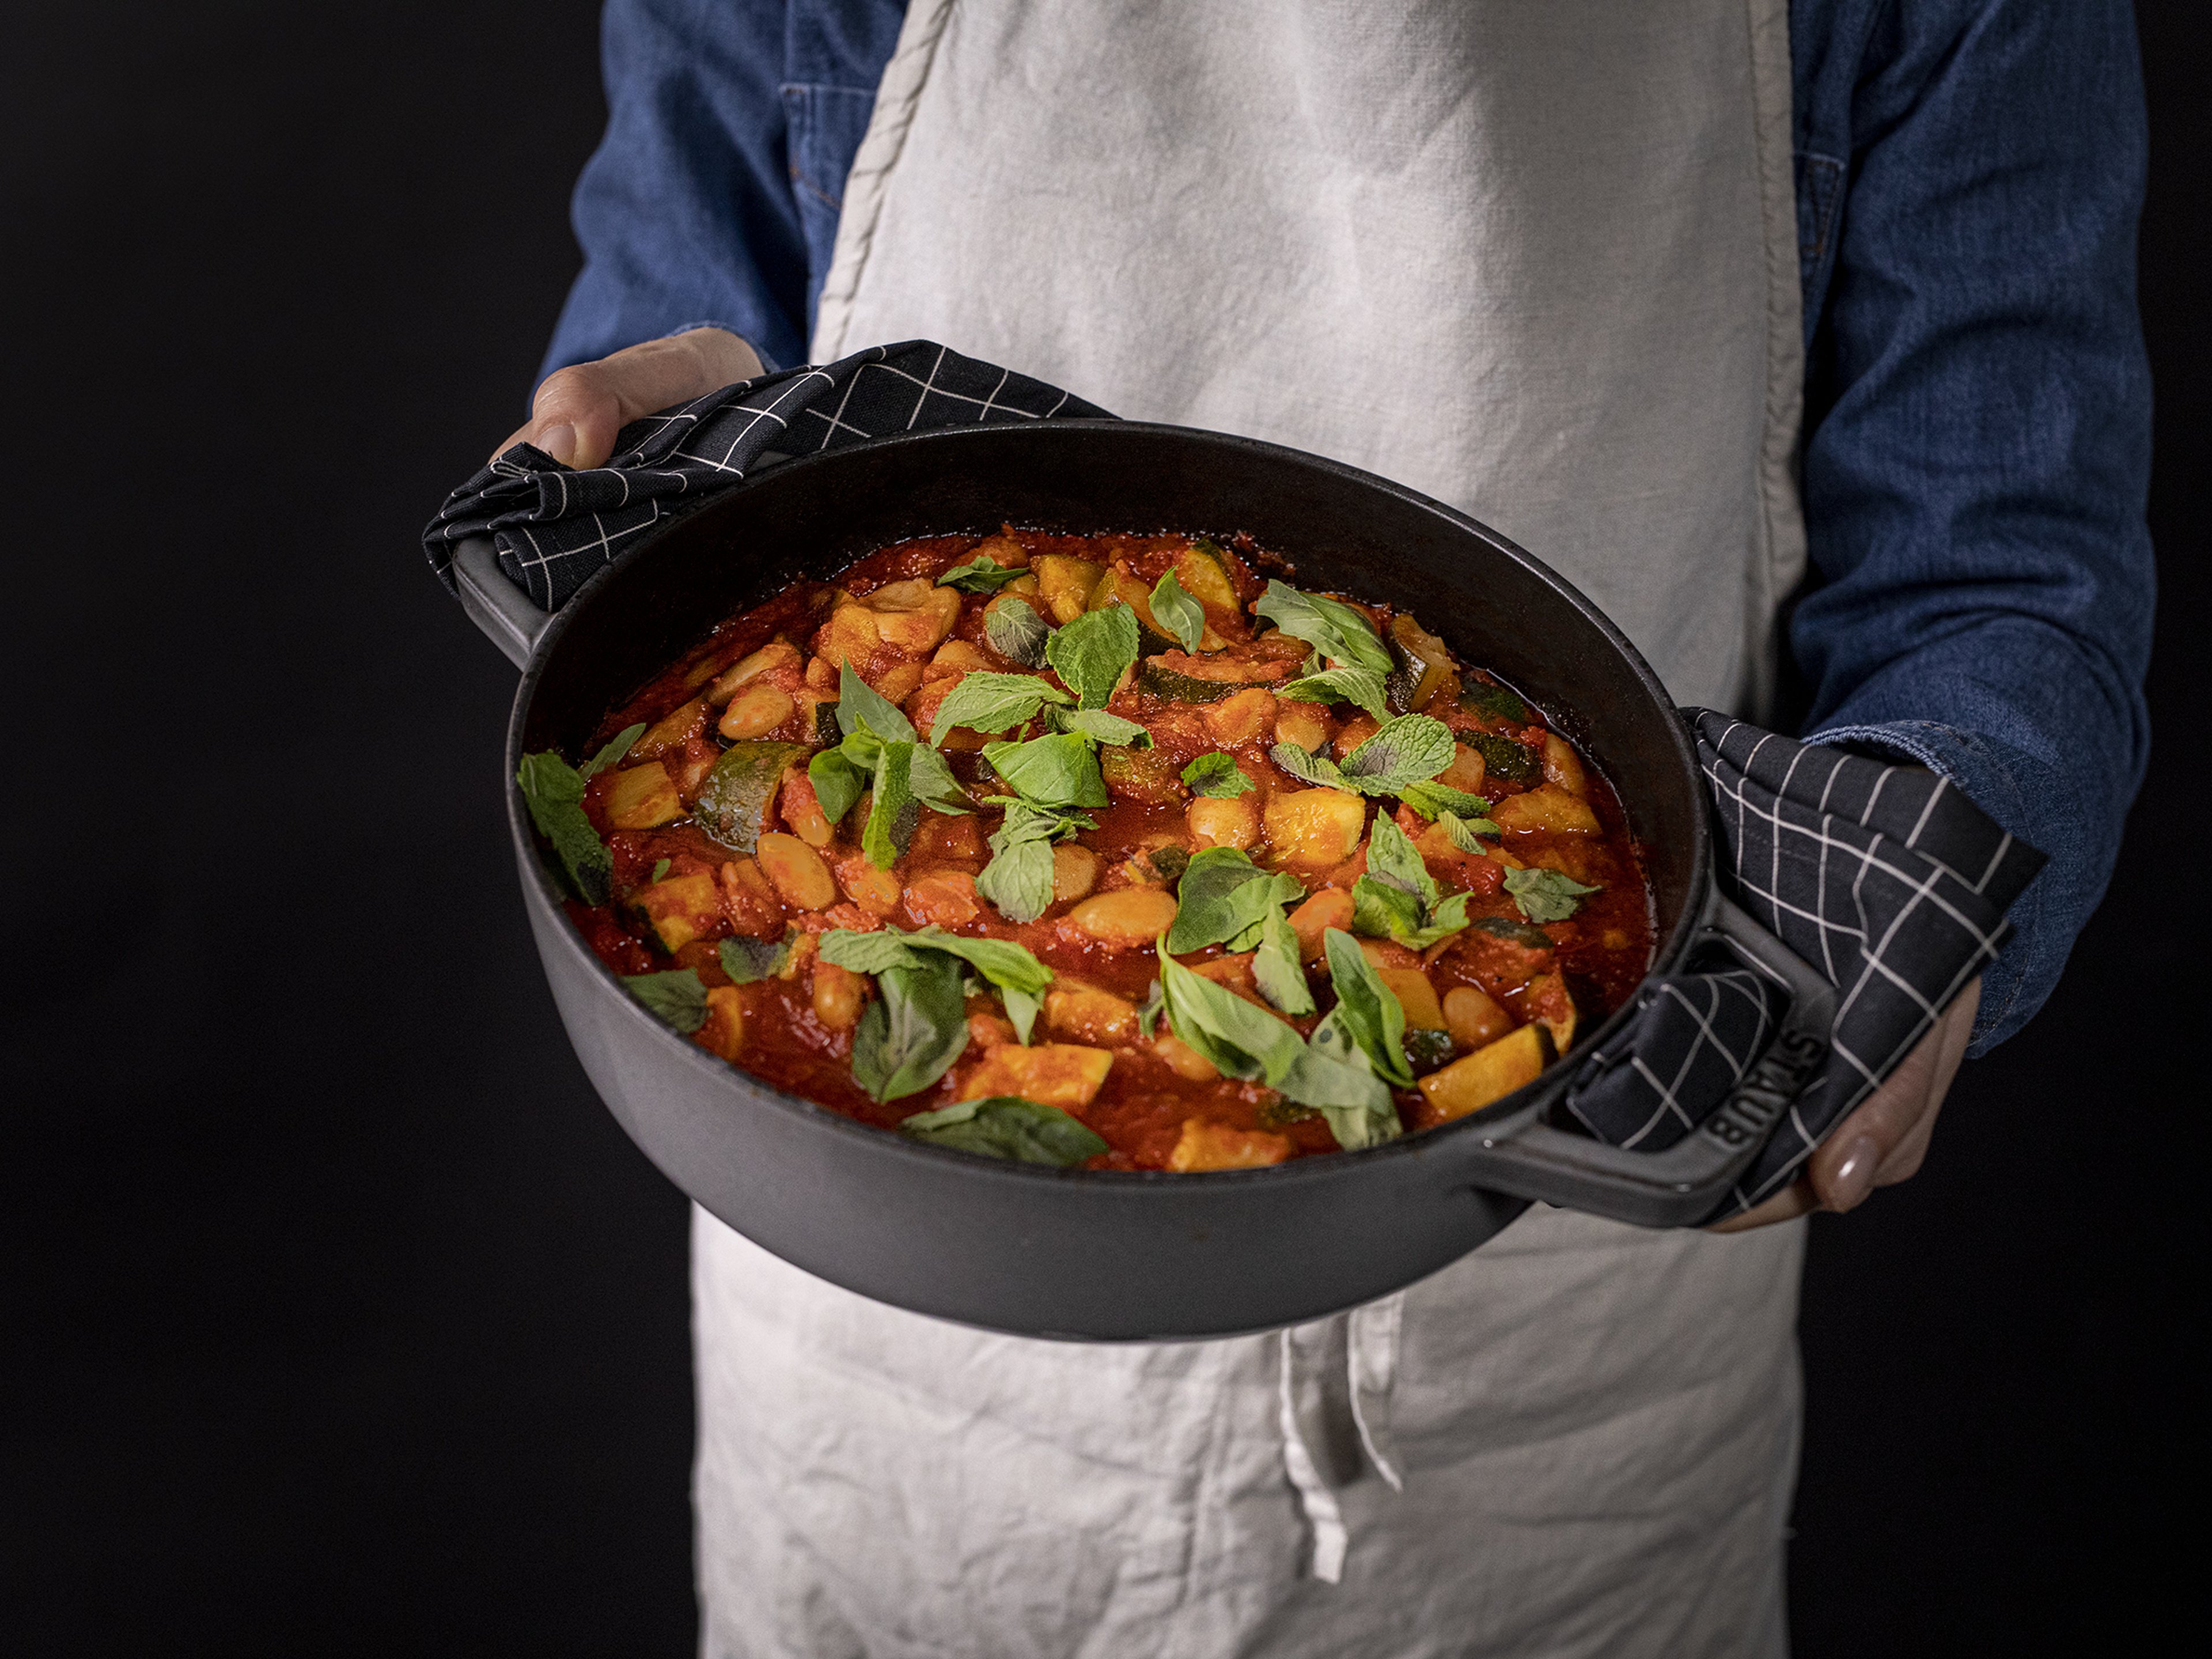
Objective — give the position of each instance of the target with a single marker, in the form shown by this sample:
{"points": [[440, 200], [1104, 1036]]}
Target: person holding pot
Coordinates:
{"points": [[1800, 334]]}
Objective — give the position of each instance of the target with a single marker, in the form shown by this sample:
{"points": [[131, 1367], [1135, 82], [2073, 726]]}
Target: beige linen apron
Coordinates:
{"points": [[1554, 244]]}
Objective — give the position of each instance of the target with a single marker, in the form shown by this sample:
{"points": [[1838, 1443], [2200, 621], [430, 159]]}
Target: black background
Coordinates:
{"points": [[337, 1316]]}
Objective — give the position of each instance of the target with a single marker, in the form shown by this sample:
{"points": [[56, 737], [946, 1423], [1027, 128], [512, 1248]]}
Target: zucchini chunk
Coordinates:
{"points": [[737, 801]]}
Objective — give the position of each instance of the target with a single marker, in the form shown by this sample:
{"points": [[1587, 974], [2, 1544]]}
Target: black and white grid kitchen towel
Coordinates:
{"points": [[1885, 878], [553, 526]]}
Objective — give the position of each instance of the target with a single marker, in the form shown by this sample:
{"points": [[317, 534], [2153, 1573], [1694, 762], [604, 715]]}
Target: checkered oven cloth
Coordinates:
{"points": [[1884, 877], [553, 527]]}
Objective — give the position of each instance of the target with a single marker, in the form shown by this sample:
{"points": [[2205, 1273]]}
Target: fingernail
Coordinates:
{"points": [[1855, 1174], [559, 442]]}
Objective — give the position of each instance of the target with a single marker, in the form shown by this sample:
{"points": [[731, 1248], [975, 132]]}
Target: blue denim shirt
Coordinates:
{"points": [[1977, 448]]}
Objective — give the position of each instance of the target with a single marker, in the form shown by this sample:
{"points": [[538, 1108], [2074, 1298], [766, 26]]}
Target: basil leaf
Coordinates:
{"points": [[1061, 770], [1222, 894], [1333, 628], [934, 784], [861, 708], [1016, 633], [1241, 1039], [1411, 749], [913, 1031], [894, 813], [1000, 961], [1177, 613], [876, 951], [1333, 1077], [1102, 727], [1463, 831], [677, 999], [1280, 975], [1379, 910], [617, 746], [837, 782], [1093, 652], [982, 575], [1008, 1127], [1367, 1011], [746, 960], [1017, 880], [1149, 1011], [1361, 686], [553, 790], [1545, 895], [1392, 857], [1440, 800], [1217, 777], [985, 701], [660, 869]]}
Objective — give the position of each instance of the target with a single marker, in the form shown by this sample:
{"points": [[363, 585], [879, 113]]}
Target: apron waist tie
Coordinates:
{"points": [[1336, 1380]]}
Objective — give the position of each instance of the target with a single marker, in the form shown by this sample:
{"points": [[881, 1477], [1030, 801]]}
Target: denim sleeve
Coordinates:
{"points": [[1979, 442], [686, 212]]}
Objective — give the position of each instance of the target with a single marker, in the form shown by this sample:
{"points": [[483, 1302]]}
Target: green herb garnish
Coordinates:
{"points": [[677, 997], [1177, 613], [1008, 1127], [1092, 653], [553, 790], [1333, 628], [1217, 777], [1545, 895], [982, 575]]}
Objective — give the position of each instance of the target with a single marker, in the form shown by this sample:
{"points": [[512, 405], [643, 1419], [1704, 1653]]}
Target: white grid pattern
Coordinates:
{"points": [[554, 526]]}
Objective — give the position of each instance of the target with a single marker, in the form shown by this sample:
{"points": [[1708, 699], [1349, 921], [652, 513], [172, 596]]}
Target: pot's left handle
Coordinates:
{"points": [[510, 619]]}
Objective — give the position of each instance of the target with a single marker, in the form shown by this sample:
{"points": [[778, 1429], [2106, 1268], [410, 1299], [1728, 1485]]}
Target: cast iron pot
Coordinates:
{"points": [[1110, 1256]]}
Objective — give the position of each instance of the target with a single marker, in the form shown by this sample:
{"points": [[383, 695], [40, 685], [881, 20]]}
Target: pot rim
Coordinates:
{"points": [[1424, 1143]]}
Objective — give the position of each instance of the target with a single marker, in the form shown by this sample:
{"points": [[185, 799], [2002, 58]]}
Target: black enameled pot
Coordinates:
{"points": [[1109, 1255]]}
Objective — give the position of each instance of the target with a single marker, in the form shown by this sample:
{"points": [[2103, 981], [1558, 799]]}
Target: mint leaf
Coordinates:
{"points": [[1008, 1127], [1217, 777], [1545, 895], [1102, 727], [1242, 1041], [1016, 633], [837, 782], [1017, 880], [1392, 857], [982, 575], [1333, 628], [660, 869], [1334, 1078], [1440, 800], [1411, 749], [1177, 613], [617, 746], [875, 951], [1308, 767], [676, 998], [1397, 898], [1222, 894], [1361, 686], [1463, 831], [984, 702], [553, 790], [1060, 770], [934, 784], [1379, 910], [1093, 652], [1280, 975], [1367, 1011], [911, 1033], [746, 960], [860, 709]]}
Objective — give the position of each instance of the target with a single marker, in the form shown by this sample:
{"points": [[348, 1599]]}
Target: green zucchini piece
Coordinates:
{"points": [[1150, 776], [827, 732], [1163, 682], [1501, 757], [740, 794], [1426, 1050], [1495, 702], [1400, 684], [1205, 577], [1513, 931]]}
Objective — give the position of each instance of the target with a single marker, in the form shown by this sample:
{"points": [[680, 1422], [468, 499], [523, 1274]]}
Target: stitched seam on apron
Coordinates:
{"points": [[896, 96]]}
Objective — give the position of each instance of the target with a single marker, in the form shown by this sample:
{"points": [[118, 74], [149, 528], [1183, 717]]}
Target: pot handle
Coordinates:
{"points": [[509, 617], [1681, 1185]]}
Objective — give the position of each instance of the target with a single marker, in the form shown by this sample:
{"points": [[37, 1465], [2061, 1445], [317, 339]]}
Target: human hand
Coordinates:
{"points": [[1883, 1140], [578, 409]]}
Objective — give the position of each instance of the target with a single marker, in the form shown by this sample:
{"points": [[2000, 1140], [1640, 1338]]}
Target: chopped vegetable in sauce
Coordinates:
{"points": [[1115, 852]]}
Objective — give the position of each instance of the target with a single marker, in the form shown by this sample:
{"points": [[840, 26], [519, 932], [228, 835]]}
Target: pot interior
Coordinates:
{"points": [[1343, 529]]}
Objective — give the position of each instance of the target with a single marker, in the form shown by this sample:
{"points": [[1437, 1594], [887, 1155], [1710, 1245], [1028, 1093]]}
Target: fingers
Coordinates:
{"points": [[578, 411], [1888, 1133], [1885, 1137]]}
